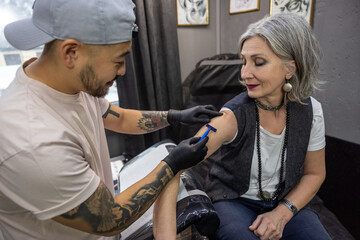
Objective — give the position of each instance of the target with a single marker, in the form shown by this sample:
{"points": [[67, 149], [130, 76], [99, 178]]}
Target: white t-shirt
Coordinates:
{"points": [[53, 155], [271, 146]]}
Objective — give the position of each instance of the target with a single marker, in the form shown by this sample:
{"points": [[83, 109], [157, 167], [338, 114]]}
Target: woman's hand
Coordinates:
{"points": [[271, 225]]}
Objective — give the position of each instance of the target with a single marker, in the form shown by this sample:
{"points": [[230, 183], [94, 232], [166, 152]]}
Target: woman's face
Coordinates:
{"points": [[263, 71]]}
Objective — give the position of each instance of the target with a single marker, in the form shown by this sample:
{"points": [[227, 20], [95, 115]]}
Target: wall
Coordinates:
{"points": [[232, 26], [335, 24], [197, 42]]}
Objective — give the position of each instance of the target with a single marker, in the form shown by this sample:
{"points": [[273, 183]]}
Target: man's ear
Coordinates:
{"points": [[69, 51], [291, 69]]}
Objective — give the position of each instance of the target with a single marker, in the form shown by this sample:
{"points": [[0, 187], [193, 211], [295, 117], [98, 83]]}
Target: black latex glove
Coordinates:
{"points": [[197, 114], [187, 154]]}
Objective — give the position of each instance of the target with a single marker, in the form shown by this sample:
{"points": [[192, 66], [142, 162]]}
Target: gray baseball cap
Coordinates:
{"points": [[88, 21]]}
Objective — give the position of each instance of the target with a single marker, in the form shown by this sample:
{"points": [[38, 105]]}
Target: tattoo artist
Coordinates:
{"points": [[55, 174]]}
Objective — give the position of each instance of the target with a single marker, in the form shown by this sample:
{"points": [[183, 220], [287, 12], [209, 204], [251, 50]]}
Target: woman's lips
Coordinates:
{"points": [[251, 86]]}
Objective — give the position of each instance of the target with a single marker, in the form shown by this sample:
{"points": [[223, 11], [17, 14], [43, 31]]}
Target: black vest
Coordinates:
{"points": [[229, 176]]}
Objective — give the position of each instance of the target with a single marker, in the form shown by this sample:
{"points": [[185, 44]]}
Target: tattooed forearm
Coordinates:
{"points": [[152, 121], [104, 215]]}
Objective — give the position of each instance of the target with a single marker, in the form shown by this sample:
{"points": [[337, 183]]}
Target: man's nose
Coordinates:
{"points": [[122, 70]]}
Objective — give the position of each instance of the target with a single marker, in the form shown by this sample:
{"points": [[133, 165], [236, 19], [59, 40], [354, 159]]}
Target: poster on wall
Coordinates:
{"points": [[192, 12], [303, 8], [241, 6]]}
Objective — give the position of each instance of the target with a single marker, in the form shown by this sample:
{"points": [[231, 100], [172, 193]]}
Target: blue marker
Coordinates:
{"points": [[207, 131]]}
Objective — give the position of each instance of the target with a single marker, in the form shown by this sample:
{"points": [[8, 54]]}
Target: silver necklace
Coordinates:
{"points": [[268, 108]]}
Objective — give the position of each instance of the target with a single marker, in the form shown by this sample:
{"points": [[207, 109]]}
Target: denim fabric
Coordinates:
{"points": [[237, 215]]}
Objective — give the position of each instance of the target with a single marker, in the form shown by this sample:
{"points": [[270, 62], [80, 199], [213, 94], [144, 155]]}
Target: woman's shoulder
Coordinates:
{"points": [[316, 106], [237, 101]]}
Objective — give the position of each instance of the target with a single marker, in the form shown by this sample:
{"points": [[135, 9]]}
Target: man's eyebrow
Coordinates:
{"points": [[122, 55]]}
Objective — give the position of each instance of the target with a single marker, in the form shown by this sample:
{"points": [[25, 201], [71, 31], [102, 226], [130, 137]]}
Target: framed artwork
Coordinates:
{"points": [[192, 12], [303, 8], [241, 6]]}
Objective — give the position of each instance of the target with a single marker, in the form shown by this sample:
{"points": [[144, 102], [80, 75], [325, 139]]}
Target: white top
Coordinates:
{"points": [[271, 146], [53, 154]]}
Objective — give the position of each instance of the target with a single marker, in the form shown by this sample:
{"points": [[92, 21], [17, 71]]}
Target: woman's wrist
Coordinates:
{"points": [[289, 205], [284, 212]]}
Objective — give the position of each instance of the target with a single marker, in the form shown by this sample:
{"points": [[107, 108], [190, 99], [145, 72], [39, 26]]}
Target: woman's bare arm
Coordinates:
{"points": [[164, 221], [164, 217]]}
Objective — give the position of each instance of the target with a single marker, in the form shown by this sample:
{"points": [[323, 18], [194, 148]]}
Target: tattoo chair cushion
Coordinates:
{"points": [[194, 207]]}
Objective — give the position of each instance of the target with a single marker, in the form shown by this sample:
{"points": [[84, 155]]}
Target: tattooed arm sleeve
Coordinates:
{"points": [[134, 121], [102, 214]]}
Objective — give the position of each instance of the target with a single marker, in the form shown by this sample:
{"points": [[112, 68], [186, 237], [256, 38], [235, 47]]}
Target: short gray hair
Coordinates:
{"points": [[290, 38]]}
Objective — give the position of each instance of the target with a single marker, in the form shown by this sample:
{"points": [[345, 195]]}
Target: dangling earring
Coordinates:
{"points": [[287, 86]]}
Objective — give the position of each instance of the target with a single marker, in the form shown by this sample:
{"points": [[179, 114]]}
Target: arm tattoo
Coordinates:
{"points": [[152, 121], [104, 215], [116, 114]]}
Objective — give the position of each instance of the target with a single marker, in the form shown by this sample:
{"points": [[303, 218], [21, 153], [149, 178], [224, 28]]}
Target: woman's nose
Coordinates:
{"points": [[246, 72]]}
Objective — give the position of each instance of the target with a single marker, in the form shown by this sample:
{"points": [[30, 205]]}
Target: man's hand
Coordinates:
{"points": [[197, 114], [187, 154]]}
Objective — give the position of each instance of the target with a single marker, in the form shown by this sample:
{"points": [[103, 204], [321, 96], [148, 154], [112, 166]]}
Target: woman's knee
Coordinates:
{"points": [[235, 220], [234, 232], [305, 225]]}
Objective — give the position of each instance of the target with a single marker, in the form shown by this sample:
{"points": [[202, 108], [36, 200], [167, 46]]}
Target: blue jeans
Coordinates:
{"points": [[237, 215]]}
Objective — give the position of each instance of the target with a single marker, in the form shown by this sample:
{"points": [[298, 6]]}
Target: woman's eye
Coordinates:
{"points": [[260, 62]]}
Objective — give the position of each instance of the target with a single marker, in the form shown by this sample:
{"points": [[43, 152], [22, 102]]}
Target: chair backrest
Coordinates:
{"points": [[215, 80], [218, 74]]}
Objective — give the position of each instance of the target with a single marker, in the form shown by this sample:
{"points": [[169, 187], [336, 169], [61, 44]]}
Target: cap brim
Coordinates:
{"points": [[24, 35]]}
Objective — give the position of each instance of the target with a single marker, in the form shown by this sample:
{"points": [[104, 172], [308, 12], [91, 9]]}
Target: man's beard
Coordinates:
{"points": [[92, 83]]}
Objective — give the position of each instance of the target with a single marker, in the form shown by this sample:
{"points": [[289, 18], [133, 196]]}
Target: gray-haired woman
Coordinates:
{"points": [[271, 161]]}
